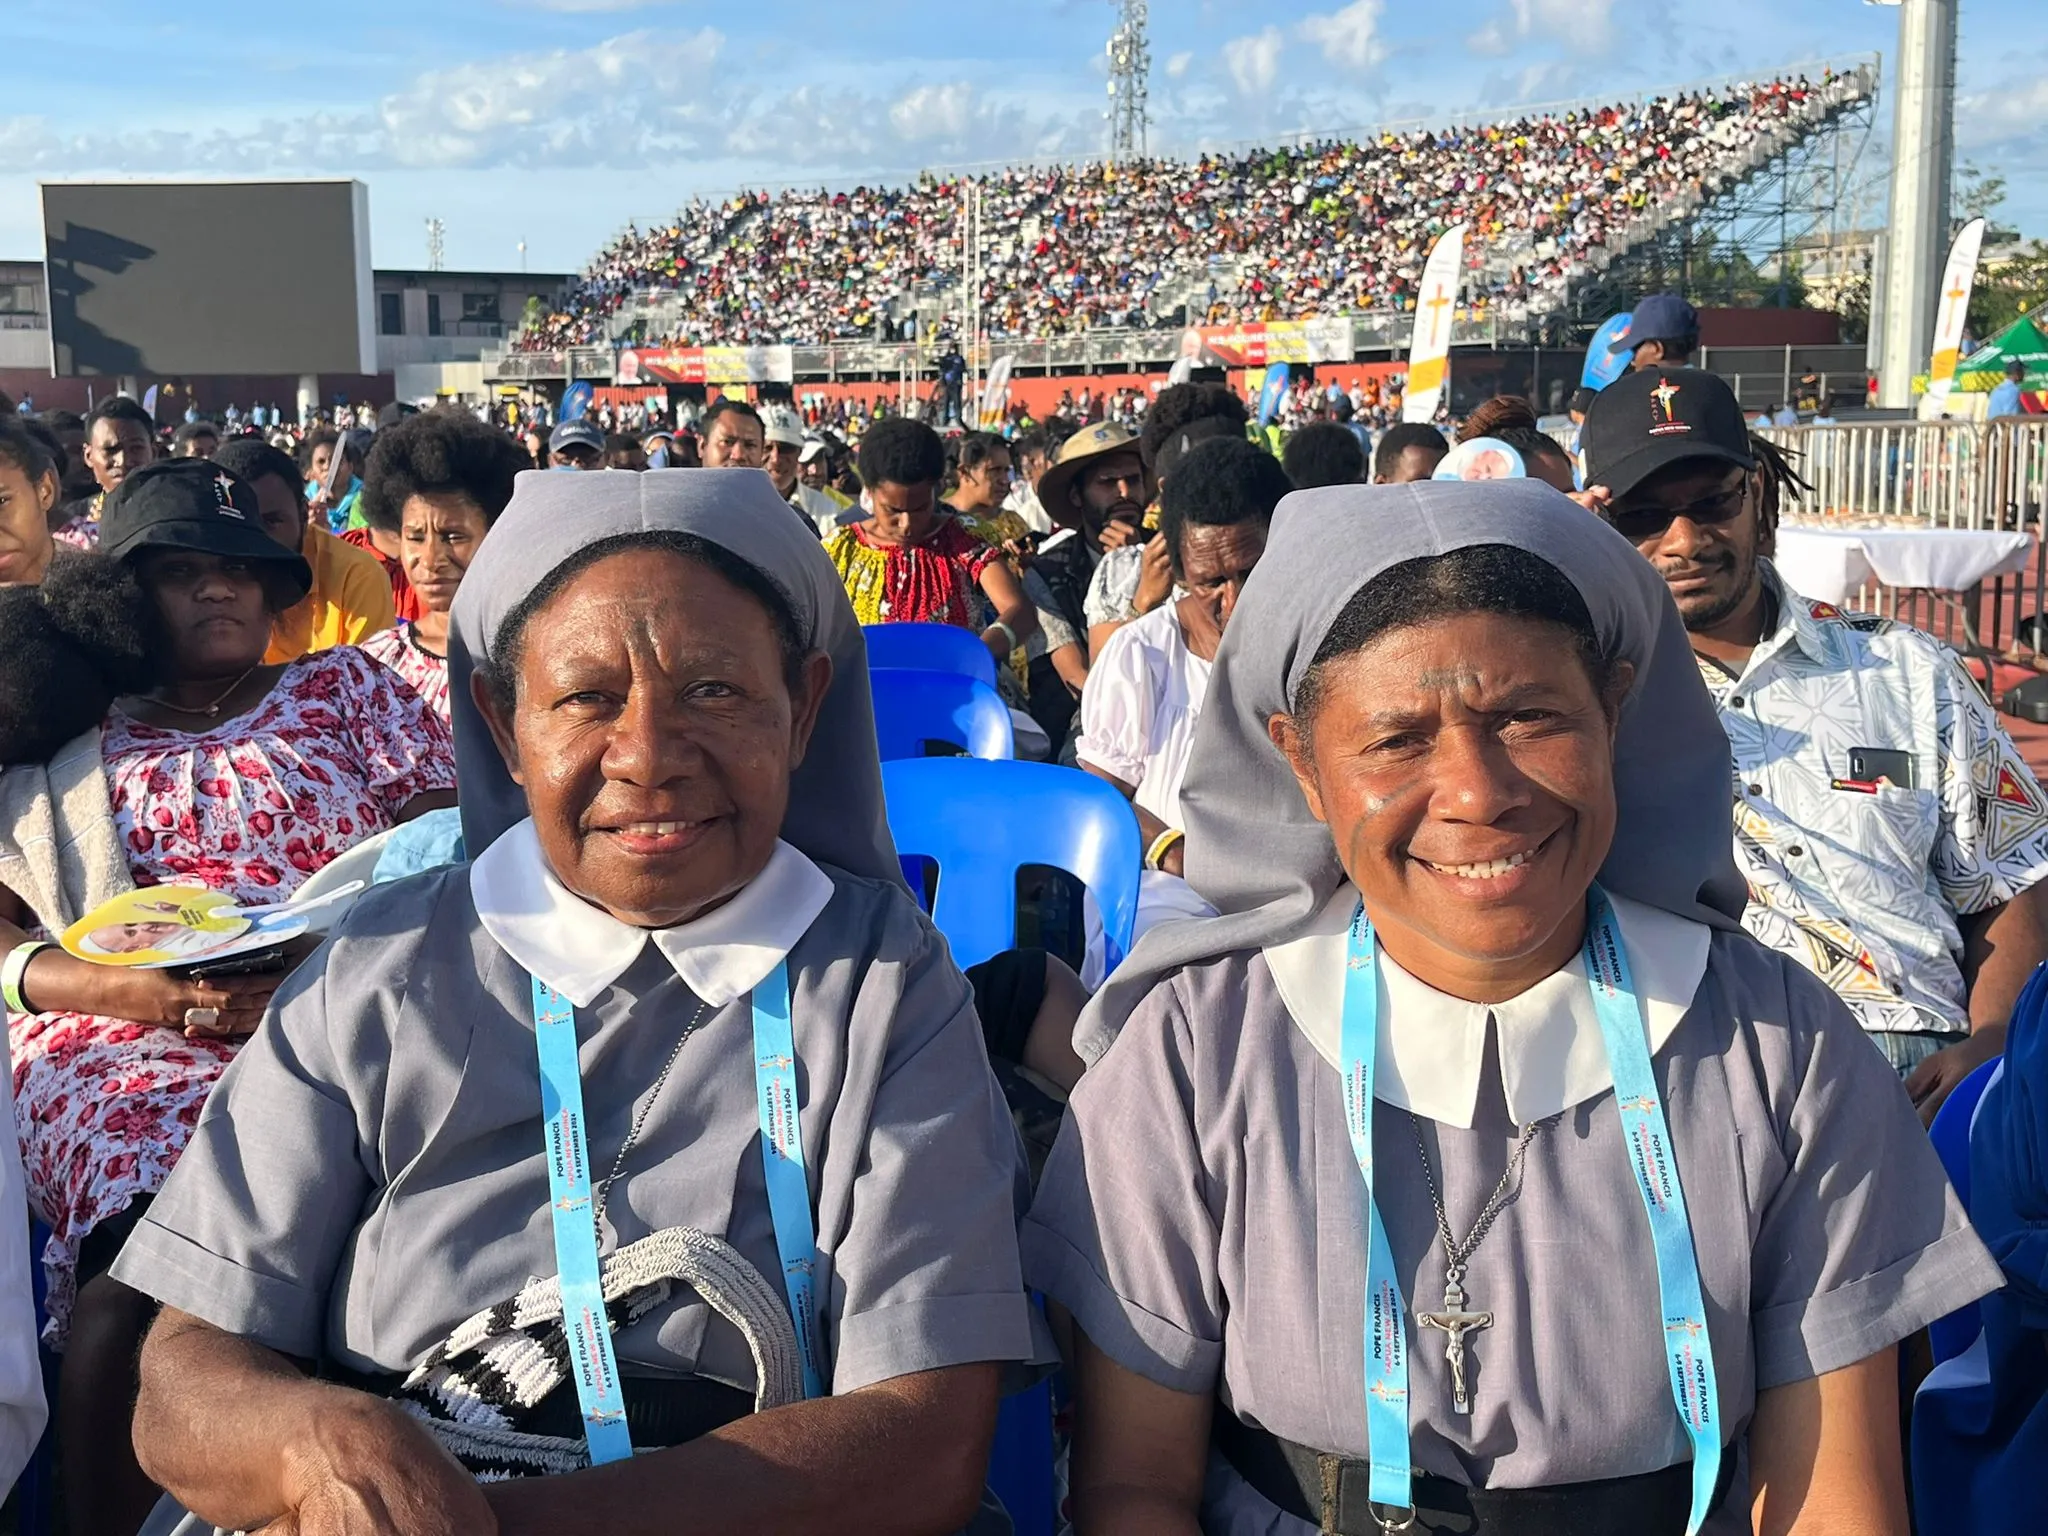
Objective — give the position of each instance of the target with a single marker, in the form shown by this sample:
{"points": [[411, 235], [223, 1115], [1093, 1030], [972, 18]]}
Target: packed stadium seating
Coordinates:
{"points": [[1280, 233]]}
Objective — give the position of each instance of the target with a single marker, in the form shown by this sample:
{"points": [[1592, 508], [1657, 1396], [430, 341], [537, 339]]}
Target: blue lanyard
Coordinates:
{"points": [[1690, 1351], [594, 1367]]}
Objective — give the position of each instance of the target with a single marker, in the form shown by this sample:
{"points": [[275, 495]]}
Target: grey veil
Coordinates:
{"points": [[835, 797], [1267, 866]]}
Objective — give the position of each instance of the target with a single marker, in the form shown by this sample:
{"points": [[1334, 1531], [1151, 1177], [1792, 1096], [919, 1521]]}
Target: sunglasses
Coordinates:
{"points": [[1639, 523]]}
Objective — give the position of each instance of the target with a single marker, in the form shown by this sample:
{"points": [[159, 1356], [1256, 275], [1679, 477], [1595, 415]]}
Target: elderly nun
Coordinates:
{"points": [[1473, 1171], [649, 1161]]}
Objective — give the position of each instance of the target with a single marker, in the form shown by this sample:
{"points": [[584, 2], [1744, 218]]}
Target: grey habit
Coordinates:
{"points": [[369, 1172], [1202, 1215]]}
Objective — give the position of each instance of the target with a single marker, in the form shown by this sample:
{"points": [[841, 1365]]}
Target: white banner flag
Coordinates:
{"points": [[1429, 352], [995, 394], [1957, 279]]}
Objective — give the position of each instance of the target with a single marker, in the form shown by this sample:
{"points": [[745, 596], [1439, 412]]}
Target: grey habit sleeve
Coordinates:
{"points": [[1862, 1242], [250, 1228], [925, 1264], [1124, 1232]]}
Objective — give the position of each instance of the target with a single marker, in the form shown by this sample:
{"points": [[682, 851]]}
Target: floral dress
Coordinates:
{"points": [[254, 807], [82, 529], [936, 582], [400, 650]]}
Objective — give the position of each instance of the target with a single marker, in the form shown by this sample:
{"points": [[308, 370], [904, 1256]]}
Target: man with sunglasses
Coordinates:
{"points": [[1893, 839]]}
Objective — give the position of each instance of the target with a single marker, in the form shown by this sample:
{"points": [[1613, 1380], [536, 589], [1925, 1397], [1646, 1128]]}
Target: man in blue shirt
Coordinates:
{"points": [[2005, 399]]}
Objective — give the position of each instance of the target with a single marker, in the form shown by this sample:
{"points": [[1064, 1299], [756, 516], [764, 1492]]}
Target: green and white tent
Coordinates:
{"points": [[2022, 341]]}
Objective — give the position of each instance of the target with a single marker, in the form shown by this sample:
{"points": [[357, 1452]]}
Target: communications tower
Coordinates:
{"points": [[1130, 67]]}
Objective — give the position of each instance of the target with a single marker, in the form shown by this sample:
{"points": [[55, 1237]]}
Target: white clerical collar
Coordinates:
{"points": [[1432, 1046], [579, 950]]}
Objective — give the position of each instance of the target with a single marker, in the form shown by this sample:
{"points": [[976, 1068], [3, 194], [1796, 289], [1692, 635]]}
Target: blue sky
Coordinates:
{"points": [[554, 121]]}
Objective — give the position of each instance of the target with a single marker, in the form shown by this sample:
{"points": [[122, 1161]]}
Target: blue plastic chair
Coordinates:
{"points": [[1949, 1336], [1020, 1461], [915, 708], [930, 648], [981, 822]]}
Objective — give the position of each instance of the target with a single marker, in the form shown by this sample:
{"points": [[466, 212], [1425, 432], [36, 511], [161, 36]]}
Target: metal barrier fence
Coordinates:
{"points": [[1939, 474]]}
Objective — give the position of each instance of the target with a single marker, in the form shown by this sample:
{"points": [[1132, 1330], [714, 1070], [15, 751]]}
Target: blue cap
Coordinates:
{"points": [[572, 434], [1660, 317]]}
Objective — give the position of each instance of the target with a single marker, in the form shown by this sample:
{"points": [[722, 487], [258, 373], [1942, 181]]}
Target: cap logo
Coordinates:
{"points": [[1663, 421], [224, 494]]}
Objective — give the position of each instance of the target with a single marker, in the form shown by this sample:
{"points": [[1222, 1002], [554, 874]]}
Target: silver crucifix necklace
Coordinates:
{"points": [[1454, 1321]]}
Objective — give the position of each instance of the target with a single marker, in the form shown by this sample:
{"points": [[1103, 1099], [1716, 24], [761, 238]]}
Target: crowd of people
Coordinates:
{"points": [[1279, 233], [1518, 856]]}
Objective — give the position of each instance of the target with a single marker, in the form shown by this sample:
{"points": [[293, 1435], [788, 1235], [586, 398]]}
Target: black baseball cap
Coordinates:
{"points": [[194, 504], [1657, 417]]}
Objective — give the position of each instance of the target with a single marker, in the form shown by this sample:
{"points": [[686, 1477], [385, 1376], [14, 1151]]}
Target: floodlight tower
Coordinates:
{"points": [[1923, 164], [1130, 67]]}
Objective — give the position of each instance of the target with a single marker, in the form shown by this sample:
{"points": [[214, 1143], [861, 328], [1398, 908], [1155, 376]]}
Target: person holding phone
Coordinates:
{"points": [[1893, 838]]}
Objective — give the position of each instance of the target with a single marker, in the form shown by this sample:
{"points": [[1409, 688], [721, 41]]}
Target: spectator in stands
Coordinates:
{"points": [[350, 597], [334, 478], [29, 489], [1320, 453], [739, 675], [2006, 399], [623, 451], [197, 439], [734, 436], [212, 768], [1892, 836], [576, 444], [120, 438], [1146, 688], [909, 563], [1408, 451], [1664, 331], [1512, 420], [784, 463], [439, 481], [1403, 706]]}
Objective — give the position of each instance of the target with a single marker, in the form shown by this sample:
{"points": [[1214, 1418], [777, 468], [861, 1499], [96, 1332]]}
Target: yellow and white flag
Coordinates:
{"points": [[1429, 353], [1957, 278], [995, 395]]}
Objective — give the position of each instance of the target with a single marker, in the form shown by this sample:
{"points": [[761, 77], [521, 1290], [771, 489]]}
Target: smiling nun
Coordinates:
{"points": [[676, 1049], [1473, 1171]]}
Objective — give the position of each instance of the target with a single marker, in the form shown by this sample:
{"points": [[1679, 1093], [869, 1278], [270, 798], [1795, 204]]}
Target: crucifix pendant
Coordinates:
{"points": [[1456, 1322]]}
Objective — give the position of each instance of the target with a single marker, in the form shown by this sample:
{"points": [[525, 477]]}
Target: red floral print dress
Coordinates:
{"points": [[400, 650], [253, 806]]}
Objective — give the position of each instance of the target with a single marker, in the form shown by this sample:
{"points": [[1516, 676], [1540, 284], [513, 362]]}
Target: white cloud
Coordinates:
{"points": [[1349, 37], [589, 7], [1490, 41], [1254, 62], [1177, 66]]}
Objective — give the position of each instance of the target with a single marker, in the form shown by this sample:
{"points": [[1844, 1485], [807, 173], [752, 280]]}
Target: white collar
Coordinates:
{"points": [[1432, 1046], [579, 950]]}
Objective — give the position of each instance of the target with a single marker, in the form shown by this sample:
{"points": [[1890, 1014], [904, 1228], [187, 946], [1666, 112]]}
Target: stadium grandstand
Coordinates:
{"points": [[1334, 226]]}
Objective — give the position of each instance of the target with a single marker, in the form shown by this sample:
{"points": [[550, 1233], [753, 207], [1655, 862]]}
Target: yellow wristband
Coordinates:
{"points": [[1161, 846]]}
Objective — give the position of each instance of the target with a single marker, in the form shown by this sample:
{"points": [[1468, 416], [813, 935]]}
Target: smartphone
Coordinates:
{"points": [[1869, 764], [257, 962]]}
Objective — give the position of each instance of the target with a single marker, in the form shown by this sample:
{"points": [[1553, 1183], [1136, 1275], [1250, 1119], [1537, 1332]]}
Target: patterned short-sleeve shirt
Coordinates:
{"points": [[1865, 886]]}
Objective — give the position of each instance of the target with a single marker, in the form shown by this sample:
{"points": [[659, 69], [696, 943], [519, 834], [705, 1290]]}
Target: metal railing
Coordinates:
{"points": [[1938, 474]]}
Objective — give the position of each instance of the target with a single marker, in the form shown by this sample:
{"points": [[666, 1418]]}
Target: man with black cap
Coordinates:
{"points": [[576, 445], [1893, 839], [1664, 331]]}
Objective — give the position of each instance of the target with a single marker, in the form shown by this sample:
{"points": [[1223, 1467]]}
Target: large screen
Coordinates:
{"points": [[185, 278]]}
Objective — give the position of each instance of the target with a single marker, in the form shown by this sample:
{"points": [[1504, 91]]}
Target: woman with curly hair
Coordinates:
{"points": [[436, 481], [29, 490], [146, 743]]}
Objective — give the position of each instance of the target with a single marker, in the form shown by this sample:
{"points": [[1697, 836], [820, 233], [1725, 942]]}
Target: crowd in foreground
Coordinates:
{"points": [[639, 1140], [1259, 234]]}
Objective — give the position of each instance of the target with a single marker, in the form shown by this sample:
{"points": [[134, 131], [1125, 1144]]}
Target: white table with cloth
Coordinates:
{"points": [[1831, 565]]}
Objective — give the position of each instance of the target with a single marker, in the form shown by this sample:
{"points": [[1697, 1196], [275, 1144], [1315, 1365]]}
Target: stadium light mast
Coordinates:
{"points": [[1923, 164], [1130, 70], [436, 235]]}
